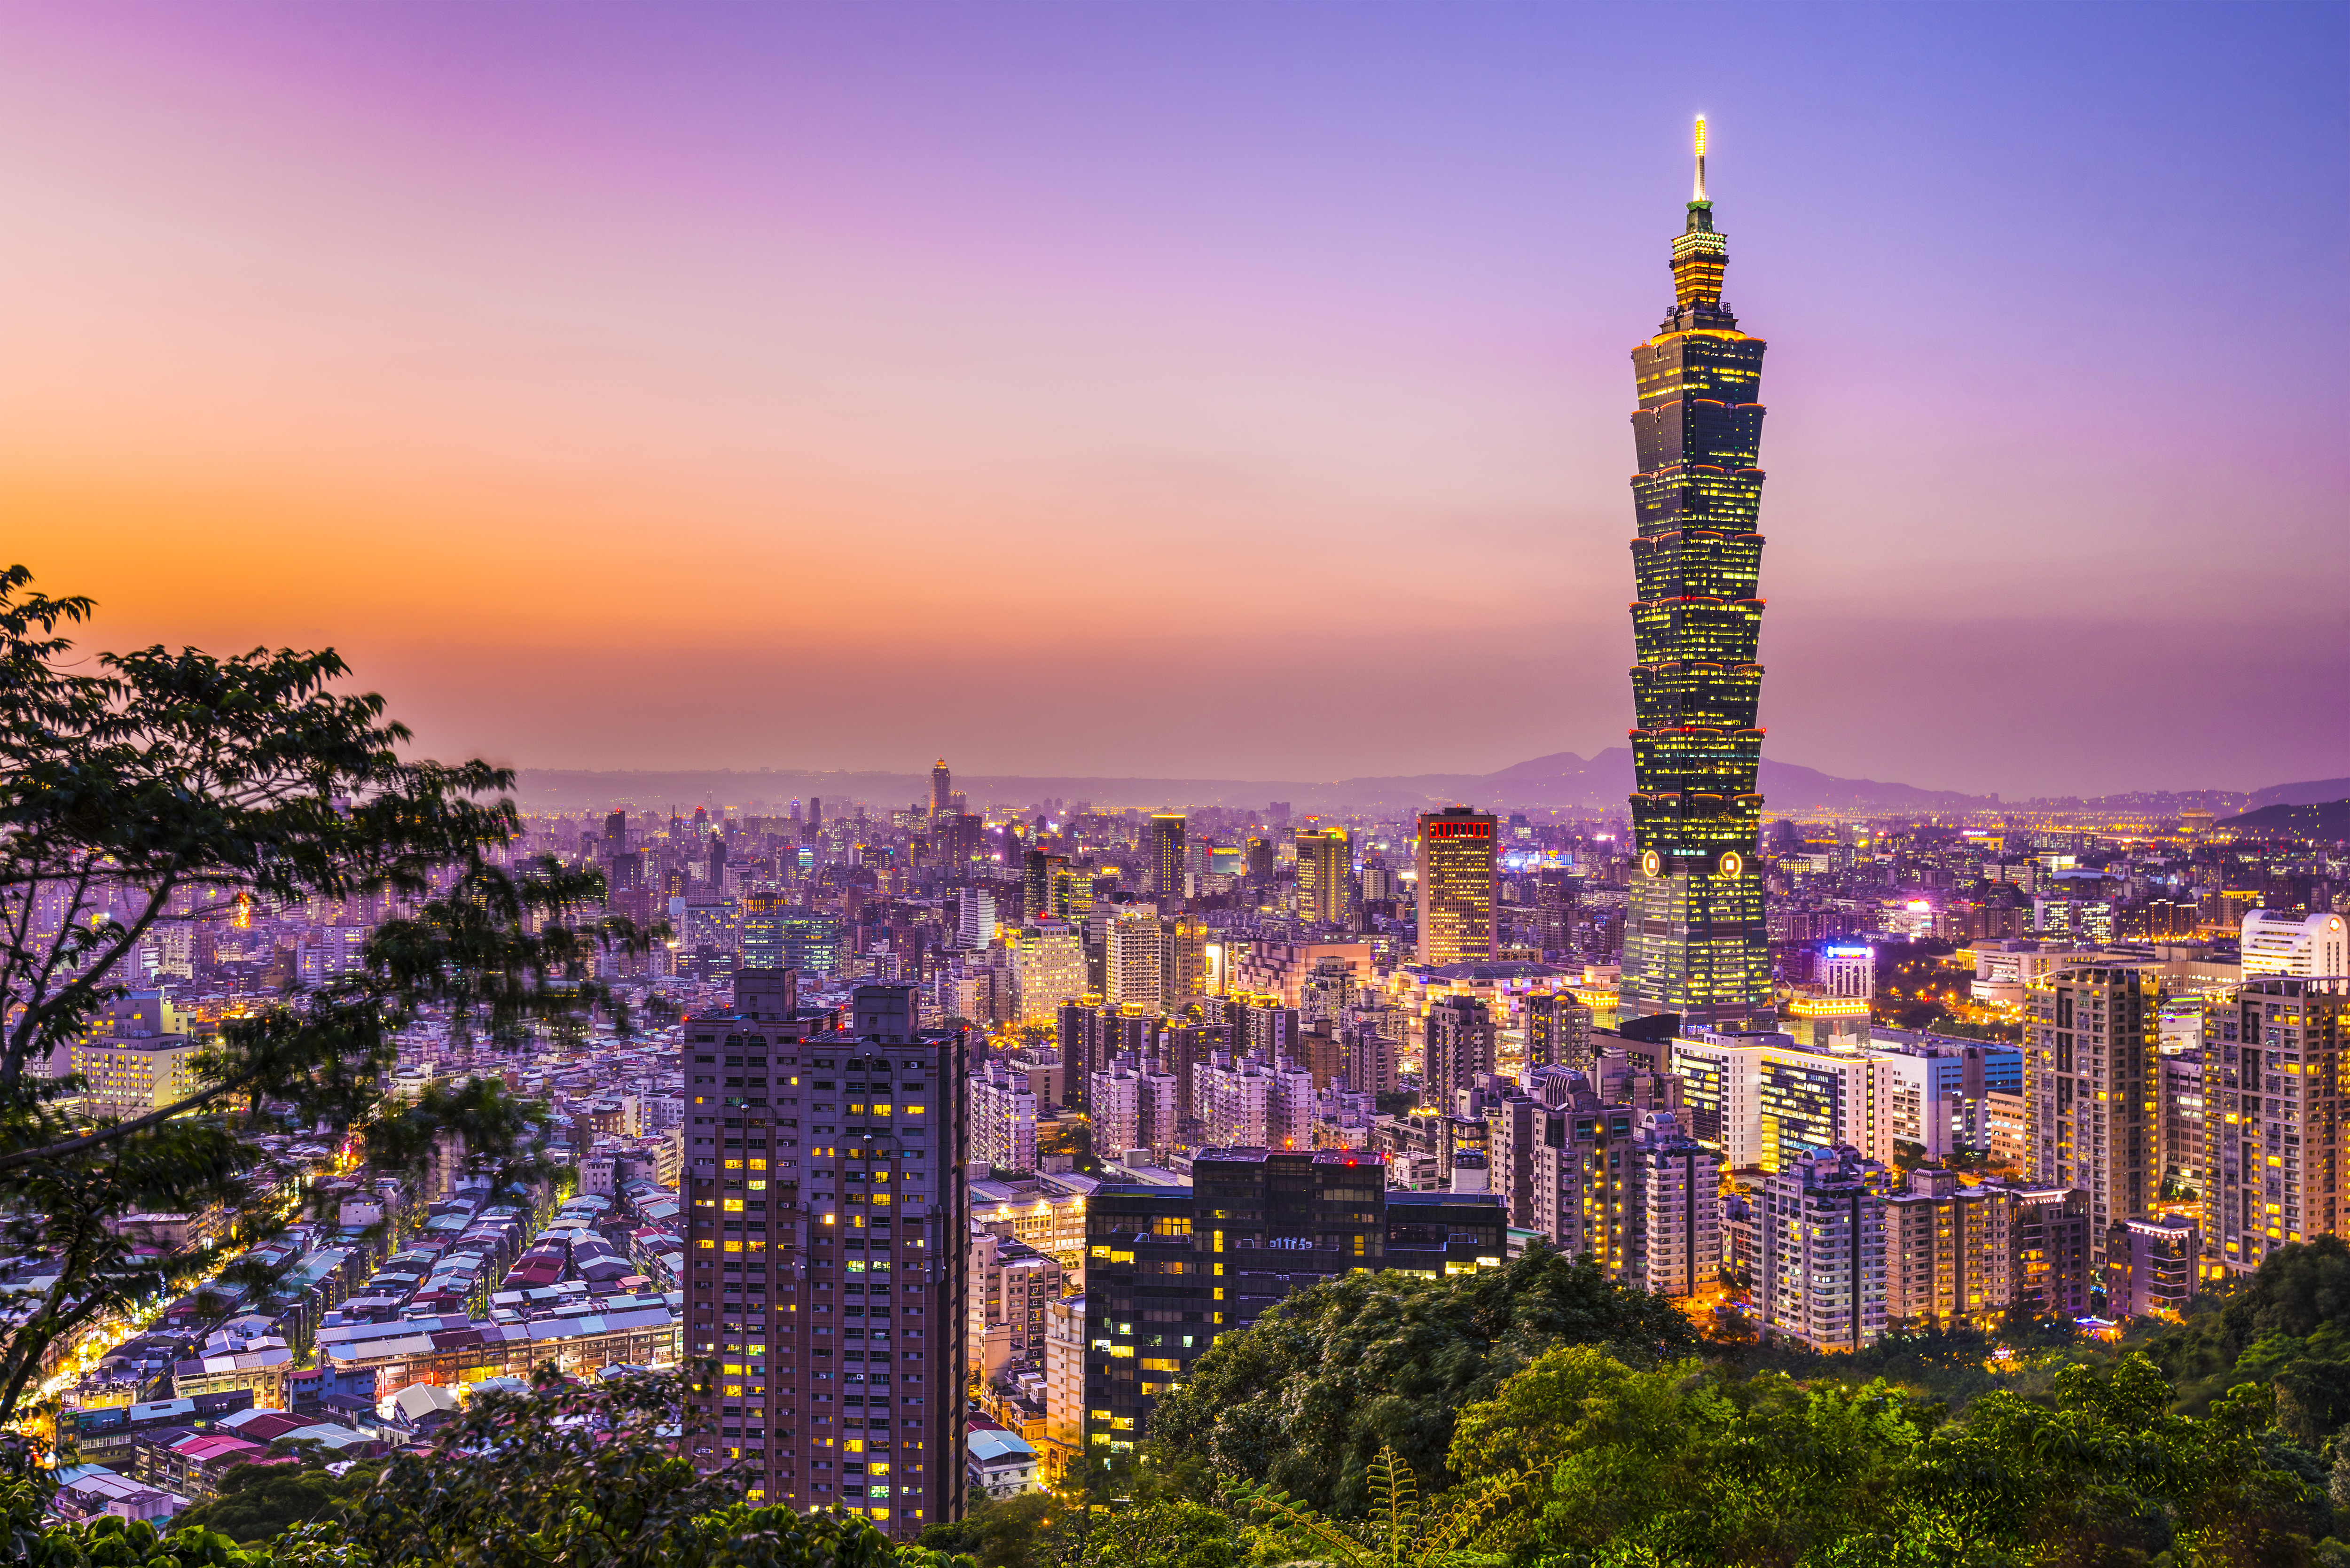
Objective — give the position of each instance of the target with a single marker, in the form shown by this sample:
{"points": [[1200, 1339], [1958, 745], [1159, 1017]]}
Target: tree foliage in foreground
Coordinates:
{"points": [[1307, 1399], [151, 789], [1585, 1462]]}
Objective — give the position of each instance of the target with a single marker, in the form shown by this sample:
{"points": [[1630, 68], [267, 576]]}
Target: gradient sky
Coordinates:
{"points": [[1189, 389]]}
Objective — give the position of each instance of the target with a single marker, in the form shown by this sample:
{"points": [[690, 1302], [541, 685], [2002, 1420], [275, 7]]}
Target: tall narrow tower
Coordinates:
{"points": [[1694, 943]]}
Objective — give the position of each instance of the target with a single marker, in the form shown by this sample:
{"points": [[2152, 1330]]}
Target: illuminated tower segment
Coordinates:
{"points": [[1696, 944]]}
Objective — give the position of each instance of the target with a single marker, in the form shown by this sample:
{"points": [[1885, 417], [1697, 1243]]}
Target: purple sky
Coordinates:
{"points": [[1232, 390]]}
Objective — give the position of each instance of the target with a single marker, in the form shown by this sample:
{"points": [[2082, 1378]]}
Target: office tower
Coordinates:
{"points": [[1080, 1031], [815, 814], [1766, 1101], [1136, 959], [1559, 1032], [1259, 857], [1045, 882], [1048, 969], [942, 789], [1162, 852], [1820, 1251], [1459, 1046], [2090, 1082], [1694, 941], [2278, 944], [827, 1222], [1849, 972], [1456, 886], [2273, 1104], [1675, 1201], [1555, 900], [1935, 1092], [975, 926], [1325, 868], [1169, 1268]]}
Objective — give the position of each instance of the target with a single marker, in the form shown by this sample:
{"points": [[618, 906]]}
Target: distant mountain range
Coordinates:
{"points": [[2317, 791], [1560, 781], [2321, 820]]}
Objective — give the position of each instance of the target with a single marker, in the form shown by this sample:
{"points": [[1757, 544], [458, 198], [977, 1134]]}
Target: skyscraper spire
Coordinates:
{"points": [[1698, 194]]}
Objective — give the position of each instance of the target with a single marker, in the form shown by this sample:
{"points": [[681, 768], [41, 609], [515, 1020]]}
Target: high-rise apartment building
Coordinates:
{"points": [[1694, 938], [1114, 1109], [1456, 862], [1675, 1195], [1183, 961], [1558, 1032], [1325, 876], [1459, 1044], [2314, 945], [1162, 856], [1819, 1263], [1137, 960], [1001, 1112], [2092, 1075], [828, 1214], [1598, 1176], [2276, 1091], [1369, 1057]]}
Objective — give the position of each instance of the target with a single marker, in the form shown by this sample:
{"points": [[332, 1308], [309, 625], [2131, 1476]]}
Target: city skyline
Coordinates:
{"points": [[638, 344]]}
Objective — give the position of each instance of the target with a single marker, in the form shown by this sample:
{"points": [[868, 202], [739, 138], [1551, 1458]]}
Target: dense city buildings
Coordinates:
{"points": [[1696, 945]]}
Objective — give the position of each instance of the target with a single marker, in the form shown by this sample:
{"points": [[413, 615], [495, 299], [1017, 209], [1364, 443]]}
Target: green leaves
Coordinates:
{"points": [[1307, 1399], [145, 790]]}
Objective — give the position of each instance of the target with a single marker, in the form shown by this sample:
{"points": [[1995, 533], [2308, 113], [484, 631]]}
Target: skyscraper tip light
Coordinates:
{"points": [[1697, 195]]}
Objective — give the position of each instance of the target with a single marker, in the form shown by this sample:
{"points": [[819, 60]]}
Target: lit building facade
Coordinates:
{"points": [[827, 1216], [2316, 945], [1456, 886], [1695, 942], [1325, 876], [2274, 1103], [1162, 848], [2092, 1079]]}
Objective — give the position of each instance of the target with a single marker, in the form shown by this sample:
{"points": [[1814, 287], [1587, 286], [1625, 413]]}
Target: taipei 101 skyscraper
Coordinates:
{"points": [[1694, 938]]}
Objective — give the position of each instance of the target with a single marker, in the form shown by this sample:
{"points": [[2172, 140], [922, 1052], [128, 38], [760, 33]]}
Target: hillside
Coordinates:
{"points": [[2322, 821]]}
